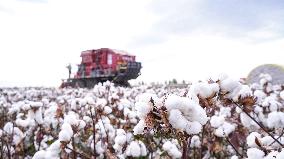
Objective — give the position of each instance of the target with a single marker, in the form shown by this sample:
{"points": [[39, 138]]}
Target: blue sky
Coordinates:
{"points": [[183, 39], [230, 18]]}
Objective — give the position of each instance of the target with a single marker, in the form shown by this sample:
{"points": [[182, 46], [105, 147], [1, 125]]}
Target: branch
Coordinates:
{"points": [[80, 153], [278, 137], [260, 125], [234, 147], [94, 131]]}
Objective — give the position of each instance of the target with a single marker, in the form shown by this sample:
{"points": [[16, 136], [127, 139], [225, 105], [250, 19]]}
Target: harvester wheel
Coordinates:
{"points": [[90, 83], [80, 84]]}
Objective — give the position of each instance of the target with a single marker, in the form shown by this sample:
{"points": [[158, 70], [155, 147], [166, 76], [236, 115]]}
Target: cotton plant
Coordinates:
{"points": [[221, 118]]}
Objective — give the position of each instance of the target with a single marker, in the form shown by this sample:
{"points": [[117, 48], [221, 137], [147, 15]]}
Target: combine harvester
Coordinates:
{"points": [[103, 65]]}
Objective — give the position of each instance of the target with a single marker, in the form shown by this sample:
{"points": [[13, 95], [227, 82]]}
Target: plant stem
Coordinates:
{"points": [[40, 138], [260, 125], [234, 147], [74, 148], [184, 148], [202, 136], [278, 137], [94, 132], [80, 153]]}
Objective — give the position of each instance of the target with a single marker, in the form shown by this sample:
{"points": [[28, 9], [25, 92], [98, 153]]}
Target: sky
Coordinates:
{"points": [[182, 39]]}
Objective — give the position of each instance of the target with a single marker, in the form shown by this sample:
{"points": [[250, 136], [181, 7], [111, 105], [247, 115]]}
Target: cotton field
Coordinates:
{"points": [[218, 118]]}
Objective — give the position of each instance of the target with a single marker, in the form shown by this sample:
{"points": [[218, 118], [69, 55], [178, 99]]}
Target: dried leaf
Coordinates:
{"points": [[216, 147], [257, 141], [149, 120], [110, 155], [248, 101]]}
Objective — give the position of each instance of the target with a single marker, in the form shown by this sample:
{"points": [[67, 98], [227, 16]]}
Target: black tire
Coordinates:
{"points": [[90, 83], [80, 84]]}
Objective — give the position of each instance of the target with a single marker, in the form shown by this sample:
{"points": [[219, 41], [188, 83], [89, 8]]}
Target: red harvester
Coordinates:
{"points": [[101, 65]]}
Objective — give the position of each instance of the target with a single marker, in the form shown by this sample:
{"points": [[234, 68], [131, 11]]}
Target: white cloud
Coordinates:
{"points": [[199, 57]]}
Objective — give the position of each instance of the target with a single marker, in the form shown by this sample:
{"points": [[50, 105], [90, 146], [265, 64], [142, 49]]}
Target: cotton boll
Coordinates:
{"points": [[228, 128], [67, 127], [198, 114], [231, 86], [245, 91], [142, 109], [107, 110], [120, 139], [247, 122], [274, 105], [71, 119], [217, 121], [54, 149], [40, 155], [26, 107], [36, 104], [31, 114], [191, 110], [282, 95], [260, 95], [82, 124], [271, 155], [173, 102], [124, 103], [23, 123], [251, 139], [185, 114], [83, 102], [45, 101], [38, 116], [177, 120], [133, 149], [75, 104], [139, 128], [49, 115], [271, 102], [238, 110], [172, 150], [280, 155], [146, 97], [225, 111], [193, 128], [274, 120], [18, 136], [143, 148], [195, 141], [15, 108], [129, 137], [234, 157], [258, 109], [204, 90], [101, 102], [64, 136], [224, 130], [267, 140], [264, 78], [8, 128], [87, 119], [254, 153]]}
